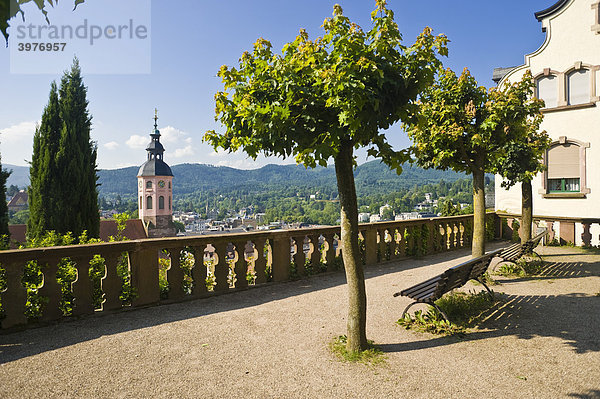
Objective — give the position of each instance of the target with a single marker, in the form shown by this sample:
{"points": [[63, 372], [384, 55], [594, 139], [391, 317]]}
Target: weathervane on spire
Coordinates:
{"points": [[155, 118]]}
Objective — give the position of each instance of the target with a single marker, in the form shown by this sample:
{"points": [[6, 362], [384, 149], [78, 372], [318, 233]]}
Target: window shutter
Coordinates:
{"points": [[578, 87], [547, 90], [563, 161]]}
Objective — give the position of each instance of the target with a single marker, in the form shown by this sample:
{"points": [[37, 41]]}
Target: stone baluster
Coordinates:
{"points": [[221, 267], [199, 272], [241, 266], [14, 297], [329, 251], [316, 255], [261, 261], [401, 252], [299, 256], [431, 228], [111, 283], [586, 235], [82, 287], [370, 239], [144, 276], [451, 235], [281, 247], [51, 289]]}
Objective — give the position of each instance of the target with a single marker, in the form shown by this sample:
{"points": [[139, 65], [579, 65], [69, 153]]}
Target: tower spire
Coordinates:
{"points": [[155, 118]]}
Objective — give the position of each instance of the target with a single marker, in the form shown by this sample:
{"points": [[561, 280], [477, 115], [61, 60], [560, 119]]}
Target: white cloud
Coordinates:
{"points": [[137, 142], [16, 143], [111, 145], [169, 134], [18, 133], [182, 152]]}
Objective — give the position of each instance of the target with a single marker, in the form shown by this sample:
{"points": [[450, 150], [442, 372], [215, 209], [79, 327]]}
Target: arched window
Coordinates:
{"points": [[141, 203], [169, 202], [149, 202], [578, 87], [547, 90], [161, 202], [148, 184]]}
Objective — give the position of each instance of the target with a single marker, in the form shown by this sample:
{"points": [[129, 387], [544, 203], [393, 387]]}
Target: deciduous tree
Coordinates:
{"points": [[320, 100], [522, 158], [462, 126], [4, 233]]}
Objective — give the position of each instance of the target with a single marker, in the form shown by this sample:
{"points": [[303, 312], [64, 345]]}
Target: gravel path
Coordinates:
{"points": [[271, 342]]}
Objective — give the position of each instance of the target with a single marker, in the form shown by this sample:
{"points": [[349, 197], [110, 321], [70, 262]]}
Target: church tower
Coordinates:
{"points": [[155, 189]]}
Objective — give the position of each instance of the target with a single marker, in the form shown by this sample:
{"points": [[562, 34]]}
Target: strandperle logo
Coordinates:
{"points": [[84, 31]]}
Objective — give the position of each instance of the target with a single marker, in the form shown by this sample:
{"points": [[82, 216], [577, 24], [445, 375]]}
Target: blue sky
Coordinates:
{"points": [[190, 41]]}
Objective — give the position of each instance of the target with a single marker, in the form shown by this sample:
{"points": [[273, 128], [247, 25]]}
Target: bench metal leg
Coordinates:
{"points": [[480, 279], [430, 304], [539, 256]]}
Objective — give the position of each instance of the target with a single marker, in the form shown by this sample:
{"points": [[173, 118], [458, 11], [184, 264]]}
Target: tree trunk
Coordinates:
{"points": [[526, 211], [357, 298], [478, 246]]}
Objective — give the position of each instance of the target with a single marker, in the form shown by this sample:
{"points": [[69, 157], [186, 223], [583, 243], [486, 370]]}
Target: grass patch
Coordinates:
{"points": [[598, 294], [464, 310], [372, 355], [521, 269]]}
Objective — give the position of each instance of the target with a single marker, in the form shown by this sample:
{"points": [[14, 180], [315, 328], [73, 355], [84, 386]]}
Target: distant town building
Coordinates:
{"points": [[155, 188], [566, 70], [18, 202], [363, 217]]}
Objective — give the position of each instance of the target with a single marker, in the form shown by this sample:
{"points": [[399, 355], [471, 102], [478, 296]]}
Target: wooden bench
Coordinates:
{"points": [[516, 251], [431, 290]]}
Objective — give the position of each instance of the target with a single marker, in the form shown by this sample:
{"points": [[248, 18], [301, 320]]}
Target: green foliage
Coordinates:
{"points": [[523, 268], [515, 231], [11, 8], [449, 208], [372, 355], [464, 310], [63, 195], [3, 206], [20, 217]]}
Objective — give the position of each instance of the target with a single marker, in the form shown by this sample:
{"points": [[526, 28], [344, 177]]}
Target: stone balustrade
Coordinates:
{"points": [[561, 230], [111, 276]]}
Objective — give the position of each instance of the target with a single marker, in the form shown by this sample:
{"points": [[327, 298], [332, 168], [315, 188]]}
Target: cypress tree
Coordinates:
{"points": [[44, 192], [3, 206], [76, 158], [63, 194]]}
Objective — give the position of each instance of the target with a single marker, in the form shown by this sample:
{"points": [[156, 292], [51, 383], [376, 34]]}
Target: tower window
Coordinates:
{"points": [[169, 202], [141, 203], [161, 202], [148, 184], [149, 202]]}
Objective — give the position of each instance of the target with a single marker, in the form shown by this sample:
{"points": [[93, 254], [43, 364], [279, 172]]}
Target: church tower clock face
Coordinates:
{"points": [[161, 184]]}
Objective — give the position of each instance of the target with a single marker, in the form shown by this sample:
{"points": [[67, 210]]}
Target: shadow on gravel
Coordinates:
{"points": [[17, 345], [591, 394], [559, 270], [574, 318]]}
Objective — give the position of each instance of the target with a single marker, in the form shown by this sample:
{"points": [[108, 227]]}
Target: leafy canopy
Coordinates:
{"points": [[464, 127], [344, 86], [11, 8]]}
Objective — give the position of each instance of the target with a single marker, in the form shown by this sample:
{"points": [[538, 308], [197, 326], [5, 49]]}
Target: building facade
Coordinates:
{"points": [[566, 69], [155, 190]]}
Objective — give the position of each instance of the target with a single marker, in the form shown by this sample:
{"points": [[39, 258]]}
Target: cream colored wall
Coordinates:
{"points": [[569, 39]]}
